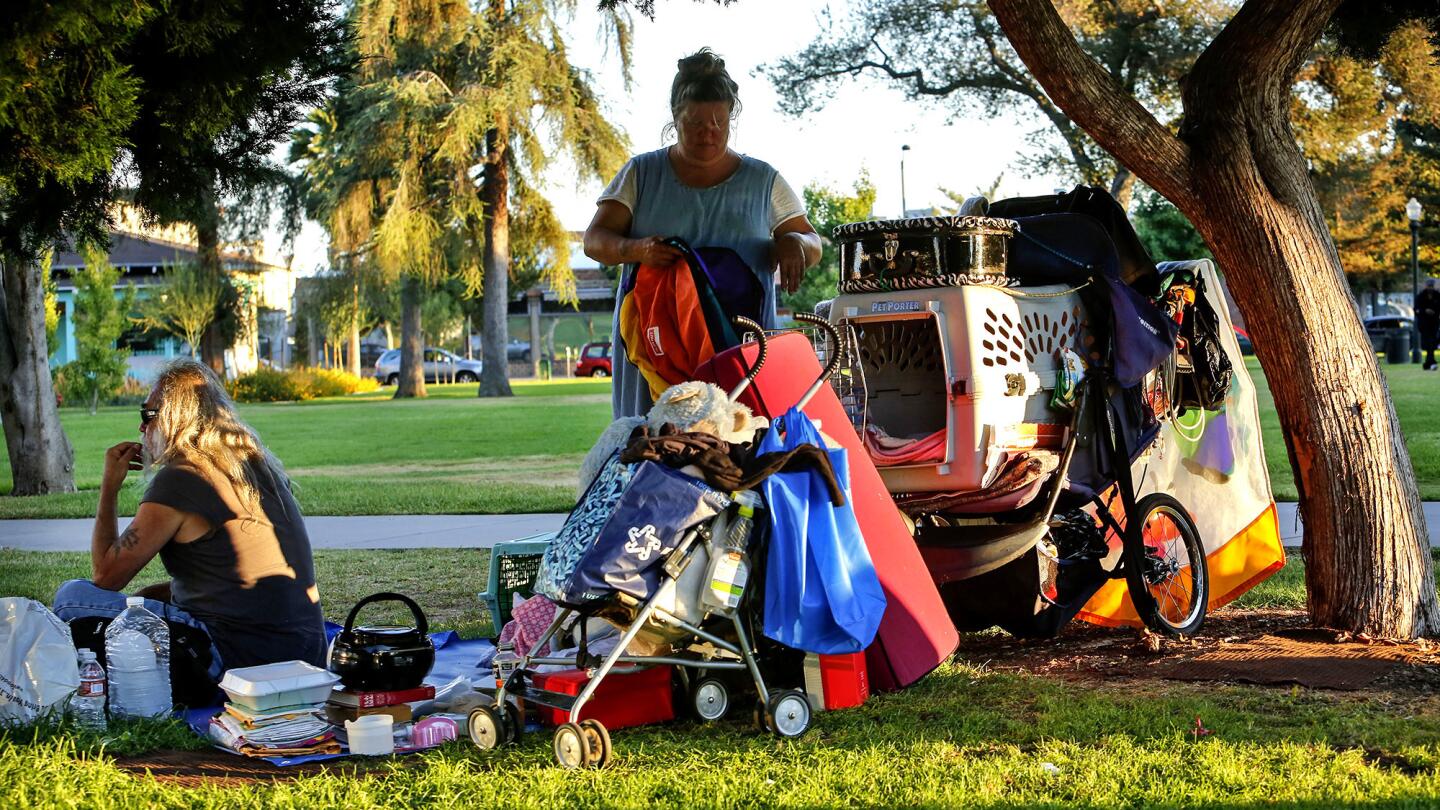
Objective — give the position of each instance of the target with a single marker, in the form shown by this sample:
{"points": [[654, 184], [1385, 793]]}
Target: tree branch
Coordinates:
{"points": [[1244, 79], [1091, 97]]}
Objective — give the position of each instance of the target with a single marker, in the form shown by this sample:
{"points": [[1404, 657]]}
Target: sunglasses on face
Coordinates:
{"points": [[147, 415]]}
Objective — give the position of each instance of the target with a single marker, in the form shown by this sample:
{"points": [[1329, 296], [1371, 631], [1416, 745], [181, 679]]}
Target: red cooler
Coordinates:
{"points": [[837, 681], [622, 700], [916, 634]]}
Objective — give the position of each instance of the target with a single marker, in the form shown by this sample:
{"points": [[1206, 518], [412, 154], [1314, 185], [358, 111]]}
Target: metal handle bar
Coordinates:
{"points": [[831, 335], [746, 323]]}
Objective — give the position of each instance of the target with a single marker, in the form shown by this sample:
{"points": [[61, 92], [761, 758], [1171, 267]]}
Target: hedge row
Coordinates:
{"points": [[296, 384]]}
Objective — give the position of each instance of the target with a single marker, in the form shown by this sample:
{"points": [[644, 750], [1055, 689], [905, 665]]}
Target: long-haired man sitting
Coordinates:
{"points": [[219, 512]]}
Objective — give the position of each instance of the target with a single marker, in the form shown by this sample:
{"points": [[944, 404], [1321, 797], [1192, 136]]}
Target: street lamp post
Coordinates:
{"points": [[1414, 212], [903, 149]]}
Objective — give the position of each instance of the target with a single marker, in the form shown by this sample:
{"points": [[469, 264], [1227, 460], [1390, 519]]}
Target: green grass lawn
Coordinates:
{"points": [[967, 735], [370, 454], [456, 453]]}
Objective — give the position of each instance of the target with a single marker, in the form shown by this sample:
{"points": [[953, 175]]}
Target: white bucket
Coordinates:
{"points": [[371, 735]]}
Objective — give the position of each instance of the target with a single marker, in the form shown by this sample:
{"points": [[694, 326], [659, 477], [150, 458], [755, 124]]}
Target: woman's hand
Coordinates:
{"points": [[788, 253], [119, 461], [653, 251]]}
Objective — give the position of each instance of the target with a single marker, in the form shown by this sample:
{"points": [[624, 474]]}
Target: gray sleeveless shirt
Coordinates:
{"points": [[734, 213]]}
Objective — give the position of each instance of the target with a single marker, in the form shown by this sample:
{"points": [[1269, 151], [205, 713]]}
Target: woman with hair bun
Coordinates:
{"points": [[701, 191]]}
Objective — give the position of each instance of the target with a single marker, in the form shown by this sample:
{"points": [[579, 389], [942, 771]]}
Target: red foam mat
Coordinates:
{"points": [[916, 634]]}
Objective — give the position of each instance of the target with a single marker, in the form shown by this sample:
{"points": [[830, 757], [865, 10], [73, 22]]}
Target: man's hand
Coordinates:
{"points": [[119, 461]]}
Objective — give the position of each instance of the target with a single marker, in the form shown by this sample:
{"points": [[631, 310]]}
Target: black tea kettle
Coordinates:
{"points": [[382, 658]]}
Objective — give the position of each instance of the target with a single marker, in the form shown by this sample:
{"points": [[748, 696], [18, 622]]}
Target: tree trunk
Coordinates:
{"points": [[354, 358], [207, 241], [495, 198], [41, 458], [412, 341], [312, 343], [1122, 187], [1237, 173]]}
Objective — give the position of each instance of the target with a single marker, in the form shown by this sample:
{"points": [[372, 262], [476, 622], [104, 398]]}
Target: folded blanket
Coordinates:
{"points": [[888, 451]]}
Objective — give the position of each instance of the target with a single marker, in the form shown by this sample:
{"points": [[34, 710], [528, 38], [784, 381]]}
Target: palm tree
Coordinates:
{"points": [[427, 161]]}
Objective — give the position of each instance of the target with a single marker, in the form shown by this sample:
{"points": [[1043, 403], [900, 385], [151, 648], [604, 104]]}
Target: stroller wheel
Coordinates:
{"points": [[514, 723], [486, 728], [710, 699], [597, 741], [570, 748], [1168, 578], [761, 716], [789, 713]]}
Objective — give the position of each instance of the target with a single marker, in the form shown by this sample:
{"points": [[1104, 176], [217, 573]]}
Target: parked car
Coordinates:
{"points": [[594, 361], [1381, 327], [370, 355], [517, 351], [440, 366]]}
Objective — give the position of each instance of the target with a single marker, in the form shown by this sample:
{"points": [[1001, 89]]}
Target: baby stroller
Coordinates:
{"points": [[650, 585]]}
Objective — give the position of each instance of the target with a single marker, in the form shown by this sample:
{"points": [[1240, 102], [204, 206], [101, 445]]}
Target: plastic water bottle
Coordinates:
{"points": [[506, 661], [729, 562], [88, 705], [137, 647]]}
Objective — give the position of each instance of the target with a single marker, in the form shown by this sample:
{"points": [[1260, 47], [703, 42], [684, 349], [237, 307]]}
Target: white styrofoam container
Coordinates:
{"points": [[287, 683], [951, 358]]}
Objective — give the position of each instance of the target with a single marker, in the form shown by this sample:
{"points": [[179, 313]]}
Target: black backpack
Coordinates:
{"points": [[1211, 372], [190, 658]]}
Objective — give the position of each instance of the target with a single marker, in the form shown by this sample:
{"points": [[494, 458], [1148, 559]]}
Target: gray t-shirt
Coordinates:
{"points": [[250, 580]]}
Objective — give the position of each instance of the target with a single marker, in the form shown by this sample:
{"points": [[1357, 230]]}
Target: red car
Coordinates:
{"points": [[594, 361]]}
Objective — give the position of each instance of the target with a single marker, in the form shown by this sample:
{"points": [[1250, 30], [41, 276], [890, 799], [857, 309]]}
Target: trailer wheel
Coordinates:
{"points": [[1166, 571], [571, 750], [487, 730], [709, 699], [597, 742], [789, 713]]}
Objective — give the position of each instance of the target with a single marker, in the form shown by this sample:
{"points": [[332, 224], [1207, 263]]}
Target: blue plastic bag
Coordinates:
{"points": [[821, 591], [647, 523]]}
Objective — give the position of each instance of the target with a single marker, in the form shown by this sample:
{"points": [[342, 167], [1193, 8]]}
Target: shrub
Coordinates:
{"points": [[272, 385], [332, 382], [268, 385], [73, 390]]}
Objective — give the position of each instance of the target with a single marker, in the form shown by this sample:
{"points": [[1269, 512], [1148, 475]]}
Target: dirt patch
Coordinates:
{"points": [[1252, 646], [213, 768]]}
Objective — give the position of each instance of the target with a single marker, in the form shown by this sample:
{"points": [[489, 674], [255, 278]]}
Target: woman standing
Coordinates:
{"points": [[701, 191]]}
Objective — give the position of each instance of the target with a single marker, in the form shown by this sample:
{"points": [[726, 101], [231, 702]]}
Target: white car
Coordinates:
{"points": [[440, 366]]}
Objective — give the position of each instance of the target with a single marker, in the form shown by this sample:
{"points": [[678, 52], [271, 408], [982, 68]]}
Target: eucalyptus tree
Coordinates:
{"points": [[428, 162]]}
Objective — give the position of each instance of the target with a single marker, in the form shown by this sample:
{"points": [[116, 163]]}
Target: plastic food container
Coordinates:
{"points": [[371, 735], [287, 683]]}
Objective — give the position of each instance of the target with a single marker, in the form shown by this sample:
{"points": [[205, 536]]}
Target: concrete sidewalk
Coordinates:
{"points": [[446, 531], [372, 531]]}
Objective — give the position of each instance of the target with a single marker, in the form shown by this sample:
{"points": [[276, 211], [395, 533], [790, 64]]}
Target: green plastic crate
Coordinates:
{"points": [[513, 566]]}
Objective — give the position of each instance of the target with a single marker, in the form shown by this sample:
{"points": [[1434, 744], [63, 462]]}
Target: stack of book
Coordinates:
{"points": [[347, 704], [284, 731]]}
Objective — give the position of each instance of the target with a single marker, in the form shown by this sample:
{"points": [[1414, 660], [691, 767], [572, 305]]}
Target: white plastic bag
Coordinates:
{"points": [[38, 666]]}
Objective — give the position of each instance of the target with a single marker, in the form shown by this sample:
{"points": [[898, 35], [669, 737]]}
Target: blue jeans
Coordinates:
{"points": [[81, 598]]}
